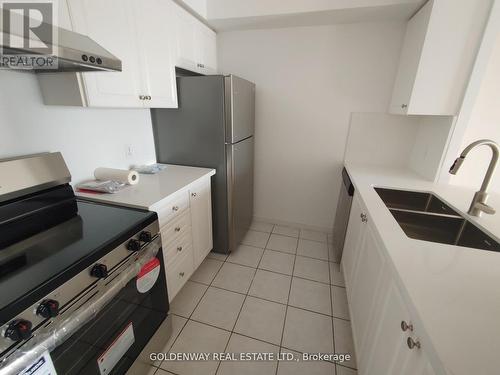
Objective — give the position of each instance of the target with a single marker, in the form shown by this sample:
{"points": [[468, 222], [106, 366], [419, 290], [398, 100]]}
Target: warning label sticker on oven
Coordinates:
{"points": [[42, 366], [116, 350], [147, 276]]}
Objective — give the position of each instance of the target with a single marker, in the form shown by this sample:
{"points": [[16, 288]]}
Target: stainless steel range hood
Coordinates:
{"points": [[72, 52]]}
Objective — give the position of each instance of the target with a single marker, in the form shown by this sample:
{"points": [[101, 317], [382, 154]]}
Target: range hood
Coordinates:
{"points": [[72, 52]]}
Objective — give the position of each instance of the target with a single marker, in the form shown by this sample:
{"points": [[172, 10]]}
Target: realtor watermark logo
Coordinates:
{"points": [[29, 34]]}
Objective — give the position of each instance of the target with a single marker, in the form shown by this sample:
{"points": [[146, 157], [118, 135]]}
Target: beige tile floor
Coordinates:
{"points": [[278, 292]]}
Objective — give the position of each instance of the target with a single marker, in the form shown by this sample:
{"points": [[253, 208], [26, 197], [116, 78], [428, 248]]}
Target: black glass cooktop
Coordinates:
{"points": [[45, 243]]}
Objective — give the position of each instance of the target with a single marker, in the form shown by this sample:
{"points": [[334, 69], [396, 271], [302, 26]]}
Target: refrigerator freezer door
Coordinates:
{"points": [[240, 189], [240, 108]]}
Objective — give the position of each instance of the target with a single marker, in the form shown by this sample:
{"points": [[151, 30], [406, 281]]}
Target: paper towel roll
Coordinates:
{"points": [[120, 175]]}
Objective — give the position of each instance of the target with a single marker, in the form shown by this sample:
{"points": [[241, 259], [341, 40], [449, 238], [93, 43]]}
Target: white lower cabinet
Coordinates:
{"points": [[367, 277], [178, 272], [354, 236], [377, 306], [200, 202], [186, 233], [387, 351]]}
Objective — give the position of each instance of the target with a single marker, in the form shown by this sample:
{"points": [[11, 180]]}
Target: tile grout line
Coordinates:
{"points": [[330, 276], [279, 273], [287, 301], [299, 237], [192, 312], [241, 307], [270, 300], [331, 286], [254, 338]]}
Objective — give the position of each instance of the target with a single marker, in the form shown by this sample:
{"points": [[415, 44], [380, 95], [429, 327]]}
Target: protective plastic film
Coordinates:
{"points": [[47, 339]]}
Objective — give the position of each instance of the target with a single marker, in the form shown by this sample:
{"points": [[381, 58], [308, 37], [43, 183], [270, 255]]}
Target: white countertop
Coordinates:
{"points": [[455, 291], [153, 188]]}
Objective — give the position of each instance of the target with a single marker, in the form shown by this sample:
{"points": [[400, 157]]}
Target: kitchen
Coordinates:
{"points": [[296, 255]]}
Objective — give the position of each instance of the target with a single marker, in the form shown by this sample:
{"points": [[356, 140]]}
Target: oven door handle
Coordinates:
{"points": [[49, 338]]}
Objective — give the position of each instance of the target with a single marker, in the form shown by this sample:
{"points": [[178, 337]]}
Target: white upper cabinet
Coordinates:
{"points": [[151, 37], [110, 23], [195, 43], [206, 43], [157, 53], [439, 49], [185, 39]]}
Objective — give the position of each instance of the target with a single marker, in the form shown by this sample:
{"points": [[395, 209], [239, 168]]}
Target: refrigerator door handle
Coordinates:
{"points": [[239, 189]]}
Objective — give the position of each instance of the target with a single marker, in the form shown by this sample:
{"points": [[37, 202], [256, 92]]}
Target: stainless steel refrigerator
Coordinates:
{"points": [[214, 127]]}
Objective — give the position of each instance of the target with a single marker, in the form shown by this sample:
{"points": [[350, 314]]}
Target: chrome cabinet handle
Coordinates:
{"points": [[193, 194], [177, 229], [406, 326], [142, 97], [179, 248], [181, 274], [412, 344], [404, 106], [175, 208], [364, 218]]}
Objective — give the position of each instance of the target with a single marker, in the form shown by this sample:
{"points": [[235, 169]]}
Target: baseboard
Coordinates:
{"points": [[292, 224]]}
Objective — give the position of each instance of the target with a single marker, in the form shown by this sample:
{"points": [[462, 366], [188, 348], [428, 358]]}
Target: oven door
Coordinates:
{"points": [[105, 330], [111, 342]]}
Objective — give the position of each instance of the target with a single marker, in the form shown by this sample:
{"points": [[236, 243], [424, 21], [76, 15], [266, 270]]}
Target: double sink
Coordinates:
{"points": [[424, 216]]}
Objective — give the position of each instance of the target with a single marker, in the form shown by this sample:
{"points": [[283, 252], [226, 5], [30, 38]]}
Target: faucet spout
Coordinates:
{"points": [[478, 205]]}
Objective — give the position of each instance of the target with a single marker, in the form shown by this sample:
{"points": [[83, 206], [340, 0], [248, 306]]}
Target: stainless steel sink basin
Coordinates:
{"points": [[414, 200], [423, 216]]}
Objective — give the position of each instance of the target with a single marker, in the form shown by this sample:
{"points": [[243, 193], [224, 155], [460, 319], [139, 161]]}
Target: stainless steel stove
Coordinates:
{"points": [[83, 284]]}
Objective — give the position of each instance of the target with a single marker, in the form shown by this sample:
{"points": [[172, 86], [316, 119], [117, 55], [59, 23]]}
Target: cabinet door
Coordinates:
{"points": [[387, 346], [153, 24], [185, 39], [409, 60], [201, 220], [110, 23], [206, 45], [368, 272], [353, 240]]}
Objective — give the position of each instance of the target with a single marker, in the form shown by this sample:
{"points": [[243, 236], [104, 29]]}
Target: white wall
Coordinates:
{"points": [[308, 82], [87, 138], [429, 145], [484, 123], [489, 44], [381, 139], [417, 143]]}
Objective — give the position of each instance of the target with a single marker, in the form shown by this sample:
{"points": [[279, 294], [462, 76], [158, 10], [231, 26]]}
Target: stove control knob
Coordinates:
{"points": [[48, 309], [99, 271], [145, 236], [18, 330], [134, 245]]}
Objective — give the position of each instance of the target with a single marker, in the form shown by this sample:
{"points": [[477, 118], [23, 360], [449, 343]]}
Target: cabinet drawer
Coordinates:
{"points": [[178, 248], [176, 228], [178, 273], [173, 207]]}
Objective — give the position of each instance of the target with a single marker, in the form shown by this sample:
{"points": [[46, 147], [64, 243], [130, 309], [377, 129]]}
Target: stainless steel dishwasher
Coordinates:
{"points": [[342, 215]]}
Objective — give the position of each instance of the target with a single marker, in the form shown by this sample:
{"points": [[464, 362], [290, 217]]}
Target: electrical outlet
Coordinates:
{"points": [[129, 150]]}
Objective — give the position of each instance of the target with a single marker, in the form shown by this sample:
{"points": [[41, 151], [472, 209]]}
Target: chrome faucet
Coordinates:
{"points": [[478, 205]]}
